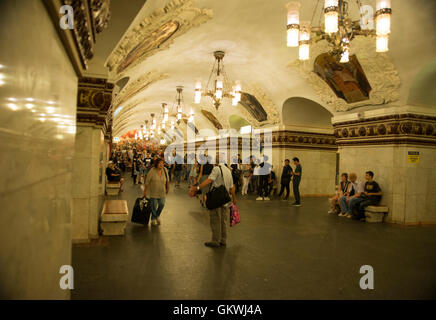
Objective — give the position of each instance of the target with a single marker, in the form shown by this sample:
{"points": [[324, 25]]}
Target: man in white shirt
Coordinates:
{"points": [[348, 201], [220, 175]]}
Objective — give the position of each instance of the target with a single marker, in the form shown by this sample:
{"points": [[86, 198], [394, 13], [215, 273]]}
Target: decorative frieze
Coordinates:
{"points": [[94, 104], [392, 129], [279, 139], [303, 140]]}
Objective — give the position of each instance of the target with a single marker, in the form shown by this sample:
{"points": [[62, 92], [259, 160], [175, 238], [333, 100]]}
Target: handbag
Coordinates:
{"points": [[235, 217], [217, 197]]}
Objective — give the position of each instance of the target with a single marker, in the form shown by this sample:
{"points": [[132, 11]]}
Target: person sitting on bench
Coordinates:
{"points": [[371, 196], [114, 175]]}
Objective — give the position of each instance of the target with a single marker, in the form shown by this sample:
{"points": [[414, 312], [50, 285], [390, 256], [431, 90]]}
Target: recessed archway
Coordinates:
{"points": [[236, 122], [298, 111], [422, 90]]}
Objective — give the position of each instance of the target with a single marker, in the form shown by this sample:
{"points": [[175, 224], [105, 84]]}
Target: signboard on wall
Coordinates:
{"points": [[413, 156]]}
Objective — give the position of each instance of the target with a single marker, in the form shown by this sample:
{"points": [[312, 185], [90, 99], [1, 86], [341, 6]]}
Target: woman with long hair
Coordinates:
{"points": [[157, 185]]}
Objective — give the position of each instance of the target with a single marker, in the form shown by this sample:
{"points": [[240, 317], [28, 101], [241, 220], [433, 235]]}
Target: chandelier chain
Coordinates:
{"points": [[314, 12], [210, 75]]}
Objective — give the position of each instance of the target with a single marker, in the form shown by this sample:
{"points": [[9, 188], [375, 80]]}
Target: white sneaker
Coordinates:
{"points": [[267, 199], [158, 220], [348, 216], [331, 211], [341, 215], [259, 198], [153, 222]]}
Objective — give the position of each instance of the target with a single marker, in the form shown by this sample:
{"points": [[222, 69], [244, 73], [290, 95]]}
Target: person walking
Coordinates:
{"points": [[246, 173], [157, 186], [178, 168], [286, 179], [264, 175], [221, 175], [296, 181], [205, 171]]}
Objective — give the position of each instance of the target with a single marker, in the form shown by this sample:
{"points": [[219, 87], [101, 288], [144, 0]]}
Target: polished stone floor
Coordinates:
{"points": [[277, 252]]}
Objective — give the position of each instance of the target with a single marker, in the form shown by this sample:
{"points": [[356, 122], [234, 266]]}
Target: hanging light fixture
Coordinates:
{"points": [[331, 16], [304, 48], [293, 27], [191, 116], [383, 24], [339, 29], [220, 89]]}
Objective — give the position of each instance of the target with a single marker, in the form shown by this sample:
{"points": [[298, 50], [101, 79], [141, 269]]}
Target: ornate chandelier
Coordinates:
{"points": [[218, 85], [338, 29], [158, 123]]}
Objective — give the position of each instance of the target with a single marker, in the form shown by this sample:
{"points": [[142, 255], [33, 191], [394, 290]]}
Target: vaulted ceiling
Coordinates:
{"points": [[171, 43]]}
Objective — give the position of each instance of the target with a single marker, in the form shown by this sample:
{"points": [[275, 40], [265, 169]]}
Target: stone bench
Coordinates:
{"points": [[113, 188], [114, 217], [375, 213]]}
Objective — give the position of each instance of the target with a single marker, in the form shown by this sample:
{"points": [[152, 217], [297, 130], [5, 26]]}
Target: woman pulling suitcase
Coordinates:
{"points": [[157, 185]]}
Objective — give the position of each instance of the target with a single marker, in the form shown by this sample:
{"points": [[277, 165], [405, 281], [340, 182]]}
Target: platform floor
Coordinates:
{"points": [[277, 252]]}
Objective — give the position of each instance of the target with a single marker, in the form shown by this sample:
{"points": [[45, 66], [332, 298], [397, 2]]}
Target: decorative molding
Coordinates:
{"points": [[267, 104], [212, 119], [90, 17], [136, 86], [283, 139], [180, 12], [94, 98], [380, 72], [303, 140], [391, 129]]}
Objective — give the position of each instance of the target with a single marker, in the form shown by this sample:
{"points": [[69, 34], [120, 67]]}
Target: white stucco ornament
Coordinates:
{"points": [[267, 104], [151, 35], [380, 72]]}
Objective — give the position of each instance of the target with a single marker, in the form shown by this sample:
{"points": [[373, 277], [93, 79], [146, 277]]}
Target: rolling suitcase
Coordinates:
{"points": [[141, 211]]}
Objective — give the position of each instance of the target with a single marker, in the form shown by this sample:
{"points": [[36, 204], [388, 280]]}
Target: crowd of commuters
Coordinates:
{"points": [[353, 196], [255, 176]]}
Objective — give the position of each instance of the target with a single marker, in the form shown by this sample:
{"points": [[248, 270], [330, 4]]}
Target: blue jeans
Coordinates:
{"points": [[178, 175], [348, 208], [157, 206]]}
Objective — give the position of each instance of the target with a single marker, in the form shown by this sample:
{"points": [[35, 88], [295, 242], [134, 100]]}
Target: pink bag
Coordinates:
{"points": [[235, 218]]}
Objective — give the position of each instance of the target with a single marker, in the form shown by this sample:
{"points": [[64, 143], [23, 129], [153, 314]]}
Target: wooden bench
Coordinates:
{"points": [[375, 213], [113, 188], [114, 217]]}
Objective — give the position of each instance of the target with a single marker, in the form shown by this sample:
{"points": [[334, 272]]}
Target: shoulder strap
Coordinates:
{"points": [[221, 172], [166, 175]]}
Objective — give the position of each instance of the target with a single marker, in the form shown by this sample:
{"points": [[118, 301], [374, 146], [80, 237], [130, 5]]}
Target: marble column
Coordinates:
{"points": [[90, 159], [37, 126], [399, 145]]}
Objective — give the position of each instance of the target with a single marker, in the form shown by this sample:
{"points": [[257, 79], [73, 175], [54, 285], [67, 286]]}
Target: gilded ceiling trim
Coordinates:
{"points": [[138, 85], [155, 33], [379, 70]]}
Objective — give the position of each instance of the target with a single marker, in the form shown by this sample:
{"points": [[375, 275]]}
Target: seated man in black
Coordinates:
{"points": [[371, 196], [114, 175]]}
